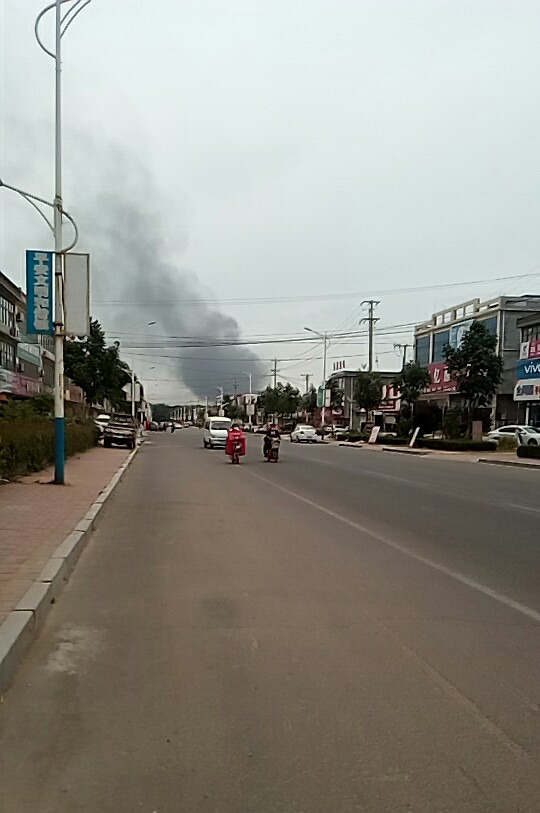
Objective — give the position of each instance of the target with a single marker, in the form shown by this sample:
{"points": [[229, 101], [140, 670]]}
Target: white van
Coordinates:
{"points": [[215, 432]]}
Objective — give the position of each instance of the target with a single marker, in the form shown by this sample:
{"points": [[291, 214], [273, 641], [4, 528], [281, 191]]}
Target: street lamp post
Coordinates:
{"points": [[62, 23], [324, 338]]}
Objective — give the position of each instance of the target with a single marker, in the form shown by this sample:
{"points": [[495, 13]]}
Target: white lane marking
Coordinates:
{"points": [[522, 507], [437, 489], [447, 571]]}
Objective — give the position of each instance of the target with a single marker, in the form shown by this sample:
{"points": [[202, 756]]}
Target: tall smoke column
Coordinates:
{"points": [[128, 264]]}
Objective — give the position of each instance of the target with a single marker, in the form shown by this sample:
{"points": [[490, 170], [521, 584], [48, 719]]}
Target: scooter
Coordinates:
{"points": [[237, 448], [272, 454]]}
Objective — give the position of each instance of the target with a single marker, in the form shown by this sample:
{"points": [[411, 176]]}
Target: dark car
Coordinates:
{"points": [[120, 431]]}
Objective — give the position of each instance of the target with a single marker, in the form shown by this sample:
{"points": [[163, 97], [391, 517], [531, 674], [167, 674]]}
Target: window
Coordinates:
{"points": [[490, 324], [422, 351], [7, 312], [530, 333], [440, 340], [7, 355]]}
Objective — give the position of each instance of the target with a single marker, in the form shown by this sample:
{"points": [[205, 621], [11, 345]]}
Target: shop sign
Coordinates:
{"points": [[440, 379], [527, 390], [527, 368], [530, 350]]}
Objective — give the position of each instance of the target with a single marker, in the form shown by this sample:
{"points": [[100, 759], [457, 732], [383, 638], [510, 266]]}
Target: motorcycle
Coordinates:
{"points": [[236, 452], [272, 454]]}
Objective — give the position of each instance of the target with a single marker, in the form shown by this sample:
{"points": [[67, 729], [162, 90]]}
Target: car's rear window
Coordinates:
{"points": [[219, 425]]}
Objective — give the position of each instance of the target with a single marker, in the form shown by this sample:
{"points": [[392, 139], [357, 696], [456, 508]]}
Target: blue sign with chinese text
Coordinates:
{"points": [[39, 292]]}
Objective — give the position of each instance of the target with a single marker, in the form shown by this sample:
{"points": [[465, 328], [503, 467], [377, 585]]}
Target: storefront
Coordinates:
{"points": [[527, 389]]}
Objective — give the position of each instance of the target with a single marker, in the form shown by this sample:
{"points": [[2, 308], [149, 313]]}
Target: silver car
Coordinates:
{"points": [[528, 435], [303, 433]]}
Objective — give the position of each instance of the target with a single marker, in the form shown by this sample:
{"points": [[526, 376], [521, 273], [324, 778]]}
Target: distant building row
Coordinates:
{"points": [[514, 320]]}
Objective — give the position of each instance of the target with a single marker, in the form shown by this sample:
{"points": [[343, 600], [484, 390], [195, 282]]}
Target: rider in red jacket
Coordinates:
{"points": [[235, 435]]}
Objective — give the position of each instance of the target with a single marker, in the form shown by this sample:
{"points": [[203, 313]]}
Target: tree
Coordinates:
{"points": [[367, 391], [309, 400], [282, 400], [476, 368], [411, 382], [96, 368]]}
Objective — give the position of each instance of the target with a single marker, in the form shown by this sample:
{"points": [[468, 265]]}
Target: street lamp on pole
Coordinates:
{"points": [[62, 23], [325, 340]]}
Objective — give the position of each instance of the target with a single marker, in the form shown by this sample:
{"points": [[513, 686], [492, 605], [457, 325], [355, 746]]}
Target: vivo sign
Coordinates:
{"points": [[528, 368]]}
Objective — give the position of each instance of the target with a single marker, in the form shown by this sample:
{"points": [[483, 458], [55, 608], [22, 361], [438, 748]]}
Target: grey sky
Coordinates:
{"points": [[289, 147]]}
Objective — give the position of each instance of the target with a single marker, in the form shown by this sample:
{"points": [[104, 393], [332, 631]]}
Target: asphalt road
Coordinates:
{"points": [[344, 631]]}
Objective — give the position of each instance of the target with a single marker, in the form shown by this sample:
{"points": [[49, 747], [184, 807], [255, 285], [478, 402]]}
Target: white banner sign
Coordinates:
{"points": [[77, 294]]}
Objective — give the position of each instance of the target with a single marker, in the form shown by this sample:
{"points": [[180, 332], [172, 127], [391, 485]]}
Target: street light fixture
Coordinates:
{"points": [[325, 340], [62, 23]]}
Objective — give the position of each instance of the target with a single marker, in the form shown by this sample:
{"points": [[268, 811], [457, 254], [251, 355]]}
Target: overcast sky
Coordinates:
{"points": [[280, 148]]}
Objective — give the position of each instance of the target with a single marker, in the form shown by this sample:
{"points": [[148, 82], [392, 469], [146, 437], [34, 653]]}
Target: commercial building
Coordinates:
{"points": [[349, 415], [527, 388], [26, 362], [502, 317]]}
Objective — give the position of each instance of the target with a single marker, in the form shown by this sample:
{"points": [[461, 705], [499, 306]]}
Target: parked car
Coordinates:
{"points": [[304, 434], [101, 422], [529, 435], [120, 431], [215, 432]]}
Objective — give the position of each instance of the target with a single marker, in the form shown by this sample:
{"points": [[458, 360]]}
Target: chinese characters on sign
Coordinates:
{"points": [[530, 350], [440, 380], [39, 292]]}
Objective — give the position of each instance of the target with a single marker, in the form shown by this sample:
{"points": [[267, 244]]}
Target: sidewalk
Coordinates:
{"points": [[500, 458], [36, 516]]}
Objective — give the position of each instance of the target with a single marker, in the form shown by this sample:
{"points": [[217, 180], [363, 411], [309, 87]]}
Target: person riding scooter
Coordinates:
{"points": [[271, 434], [235, 446]]}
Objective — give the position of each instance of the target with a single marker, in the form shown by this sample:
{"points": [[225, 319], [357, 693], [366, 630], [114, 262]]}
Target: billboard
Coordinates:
{"points": [[77, 294], [457, 332], [528, 368], [440, 380], [527, 390], [39, 292]]}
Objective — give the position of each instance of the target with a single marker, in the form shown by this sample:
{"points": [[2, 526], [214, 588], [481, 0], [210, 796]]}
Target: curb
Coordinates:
{"points": [[396, 450], [20, 627], [512, 463]]}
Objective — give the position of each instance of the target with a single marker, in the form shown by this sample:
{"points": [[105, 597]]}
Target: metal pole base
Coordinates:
{"points": [[59, 451]]}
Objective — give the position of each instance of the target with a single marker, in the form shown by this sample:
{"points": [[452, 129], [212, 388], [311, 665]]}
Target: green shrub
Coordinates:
{"points": [[457, 445], [454, 424], [390, 440], [528, 451], [28, 445], [508, 444]]}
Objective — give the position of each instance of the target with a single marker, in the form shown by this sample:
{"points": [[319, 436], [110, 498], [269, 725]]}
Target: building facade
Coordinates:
{"points": [[501, 317], [527, 387], [386, 413], [26, 361]]}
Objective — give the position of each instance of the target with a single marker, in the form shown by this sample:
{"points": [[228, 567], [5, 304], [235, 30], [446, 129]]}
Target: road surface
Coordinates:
{"points": [[344, 631]]}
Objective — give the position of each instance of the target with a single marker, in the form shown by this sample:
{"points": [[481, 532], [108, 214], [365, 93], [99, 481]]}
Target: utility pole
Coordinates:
{"points": [[274, 373], [307, 376], [371, 320], [404, 348], [59, 425]]}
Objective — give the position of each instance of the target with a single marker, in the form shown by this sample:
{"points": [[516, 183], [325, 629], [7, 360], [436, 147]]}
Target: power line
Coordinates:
{"points": [[313, 297]]}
